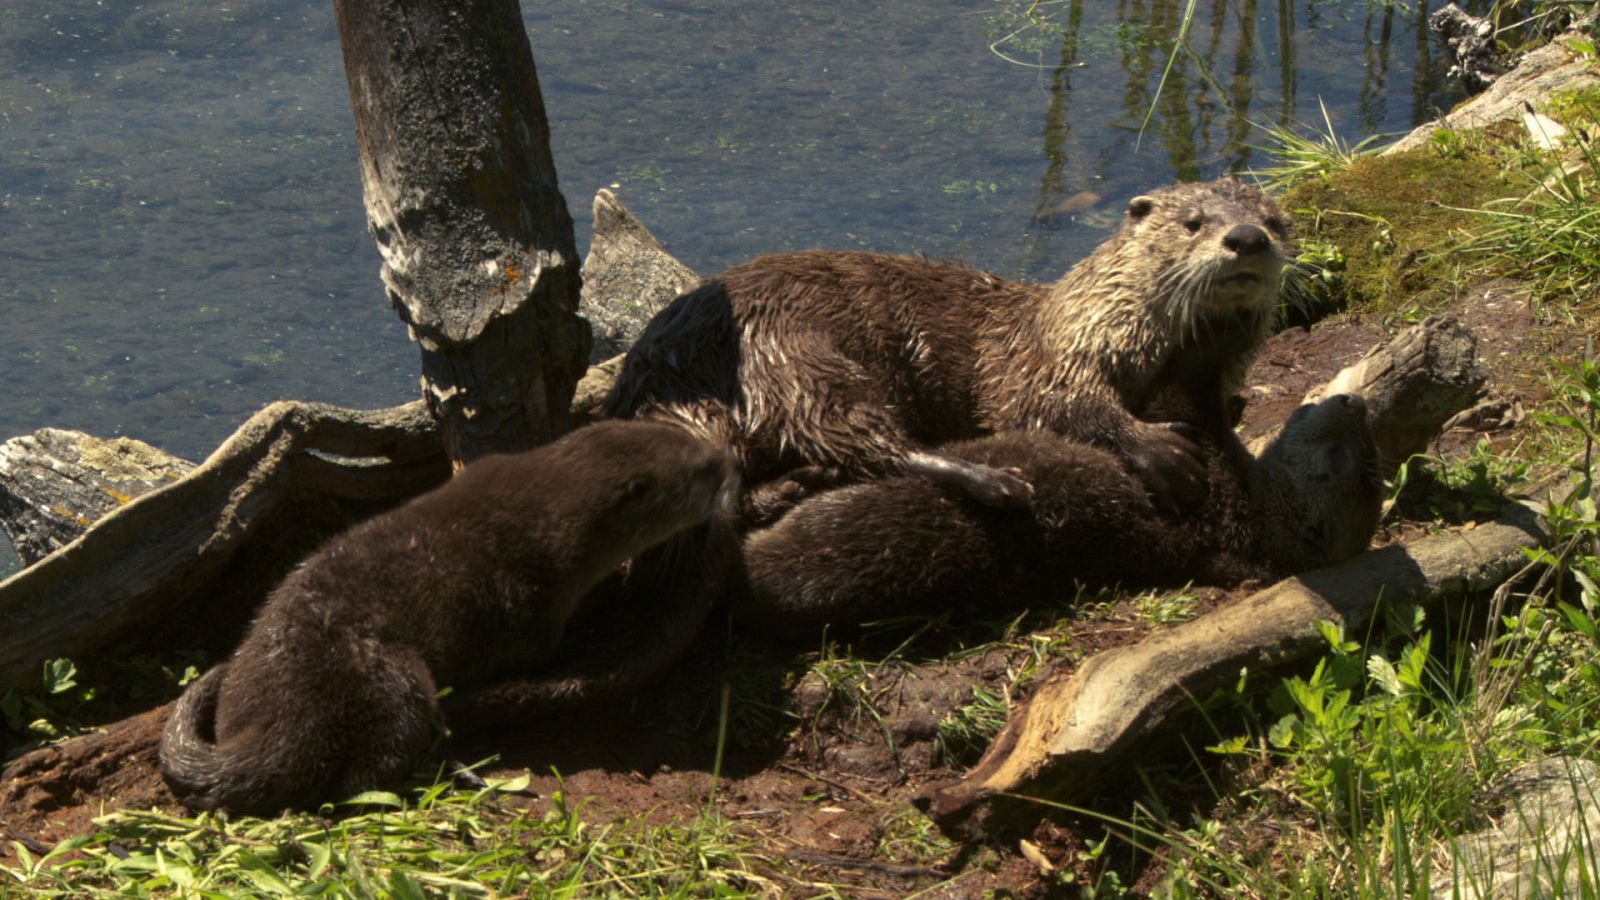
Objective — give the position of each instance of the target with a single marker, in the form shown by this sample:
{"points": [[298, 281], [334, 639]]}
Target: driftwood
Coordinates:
{"points": [[460, 188], [153, 552], [1077, 724], [1413, 384], [1540, 73]]}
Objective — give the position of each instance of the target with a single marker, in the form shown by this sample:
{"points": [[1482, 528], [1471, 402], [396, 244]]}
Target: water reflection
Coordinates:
{"points": [[181, 232], [1238, 67]]}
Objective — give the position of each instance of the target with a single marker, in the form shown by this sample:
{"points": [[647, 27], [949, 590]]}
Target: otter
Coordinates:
{"points": [[845, 366], [332, 690], [905, 545]]}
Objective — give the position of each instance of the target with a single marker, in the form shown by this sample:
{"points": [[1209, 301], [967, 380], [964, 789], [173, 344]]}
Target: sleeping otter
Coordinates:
{"points": [[904, 545], [857, 364], [333, 689]]}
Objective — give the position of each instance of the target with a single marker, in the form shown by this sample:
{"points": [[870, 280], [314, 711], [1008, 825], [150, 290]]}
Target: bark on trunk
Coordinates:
{"points": [[478, 253]]}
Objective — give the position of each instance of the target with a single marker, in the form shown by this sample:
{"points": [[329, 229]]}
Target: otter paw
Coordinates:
{"points": [[985, 484], [998, 487], [1168, 461]]}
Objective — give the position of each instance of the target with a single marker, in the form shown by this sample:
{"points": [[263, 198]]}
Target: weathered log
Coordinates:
{"points": [[150, 554], [1078, 723], [628, 277], [1413, 383], [1540, 73], [54, 483], [461, 196]]}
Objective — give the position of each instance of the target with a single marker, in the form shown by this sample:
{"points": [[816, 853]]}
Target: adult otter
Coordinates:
{"points": [[904, 545], [333, 689], [863, 362]]}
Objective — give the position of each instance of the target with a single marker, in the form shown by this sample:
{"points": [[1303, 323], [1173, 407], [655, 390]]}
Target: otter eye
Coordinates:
{"points": [[1194, 222], [637, 487], [1278, 226]]}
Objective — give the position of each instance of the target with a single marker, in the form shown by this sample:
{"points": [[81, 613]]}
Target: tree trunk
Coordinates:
{"points": [[478, 253]]}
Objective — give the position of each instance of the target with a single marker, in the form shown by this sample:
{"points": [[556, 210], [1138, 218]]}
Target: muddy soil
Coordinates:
{"points": [[815, 767]]}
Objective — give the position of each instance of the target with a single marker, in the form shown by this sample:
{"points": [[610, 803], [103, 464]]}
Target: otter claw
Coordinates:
{"points": [[1168, 461]]}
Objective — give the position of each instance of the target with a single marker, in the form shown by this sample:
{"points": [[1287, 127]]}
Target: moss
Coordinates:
{"points": [[1575, 108], [1392, 215]]}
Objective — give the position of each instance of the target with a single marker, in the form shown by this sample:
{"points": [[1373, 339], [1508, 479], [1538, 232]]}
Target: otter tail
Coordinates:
{"points": [[302, 745], [189, 758]]}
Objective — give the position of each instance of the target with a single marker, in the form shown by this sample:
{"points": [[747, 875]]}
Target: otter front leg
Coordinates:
{"points": [[1163, 455], [841, 413], [987, 485]]}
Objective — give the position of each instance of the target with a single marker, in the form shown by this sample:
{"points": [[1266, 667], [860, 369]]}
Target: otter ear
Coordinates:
{"points": [[1140, 206]]}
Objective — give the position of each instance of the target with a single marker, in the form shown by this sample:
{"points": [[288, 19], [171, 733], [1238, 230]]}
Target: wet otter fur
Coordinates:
{"points": [[905, 545], [333, 689], [862, 363]]}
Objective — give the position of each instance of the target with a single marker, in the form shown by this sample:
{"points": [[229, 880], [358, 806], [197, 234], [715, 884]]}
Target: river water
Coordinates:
{"points": [[182, 237]]}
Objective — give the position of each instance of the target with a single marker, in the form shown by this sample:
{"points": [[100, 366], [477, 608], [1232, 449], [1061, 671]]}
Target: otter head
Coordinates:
{"points": [[1318, 487], [1218, 248], [625, 486]]}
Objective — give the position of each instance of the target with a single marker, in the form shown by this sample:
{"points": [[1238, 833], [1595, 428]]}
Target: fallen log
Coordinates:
{"points": [[55, 483], [55, 486], [628, 277], [1557, 66], [1078, 724], [158, 549]]}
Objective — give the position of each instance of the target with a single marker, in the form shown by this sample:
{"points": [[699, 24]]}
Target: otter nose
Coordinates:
{"points": [[1246, 239]]}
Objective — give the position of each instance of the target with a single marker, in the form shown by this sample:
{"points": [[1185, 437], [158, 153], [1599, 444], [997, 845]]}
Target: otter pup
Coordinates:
{"points": [[333, 689], [857, 364], [904, 545]]}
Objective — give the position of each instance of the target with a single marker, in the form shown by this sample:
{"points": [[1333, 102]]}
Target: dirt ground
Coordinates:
{"points": [[818, 797]]}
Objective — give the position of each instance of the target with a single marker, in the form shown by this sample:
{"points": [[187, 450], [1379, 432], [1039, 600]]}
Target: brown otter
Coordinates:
{"points": [[863, 362], [904, 545], [333, 689]]}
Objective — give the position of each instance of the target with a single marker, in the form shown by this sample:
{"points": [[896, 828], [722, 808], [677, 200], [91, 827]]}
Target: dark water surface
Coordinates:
{"points": [[182, 237]]}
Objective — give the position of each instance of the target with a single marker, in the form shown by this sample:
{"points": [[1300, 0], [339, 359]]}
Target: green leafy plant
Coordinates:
{"points": [[1302, 154]]}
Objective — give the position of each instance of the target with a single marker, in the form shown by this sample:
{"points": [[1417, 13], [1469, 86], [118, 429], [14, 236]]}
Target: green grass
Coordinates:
{"points": [[1307, 153], [444, 844], [1550, 233]]}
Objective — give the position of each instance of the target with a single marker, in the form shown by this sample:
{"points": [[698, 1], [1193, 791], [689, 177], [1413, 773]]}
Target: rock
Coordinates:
{"points": [[1544, 844], [55, 483], [627, 277]]}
